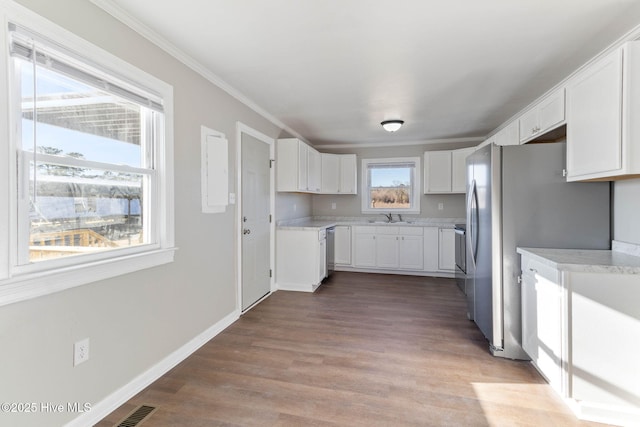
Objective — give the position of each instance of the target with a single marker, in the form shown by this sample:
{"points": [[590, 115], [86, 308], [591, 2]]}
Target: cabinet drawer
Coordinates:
{"points": [[392, 230], [364, 230], [532, 267], [410, 231]]}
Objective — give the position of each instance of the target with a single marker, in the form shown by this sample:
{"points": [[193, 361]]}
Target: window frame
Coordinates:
{"points": [[415, 185], [22, 282]]}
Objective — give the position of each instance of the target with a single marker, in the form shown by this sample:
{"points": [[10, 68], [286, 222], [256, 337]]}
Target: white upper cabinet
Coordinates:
{"points": [[445, 171], [603, 130], [348, 174], [330, 173], [339, 174], [437, 172], [548, 114], [459, 169], [298, 166], [314, 170], [292, 165], [508, 135]]}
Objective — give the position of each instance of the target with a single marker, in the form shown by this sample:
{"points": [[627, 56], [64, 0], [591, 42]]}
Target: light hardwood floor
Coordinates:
{"points": [[363, 350]]}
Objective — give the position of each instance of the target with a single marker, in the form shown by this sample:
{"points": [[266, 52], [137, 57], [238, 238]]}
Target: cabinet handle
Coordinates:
{"points": [[533, 270]]}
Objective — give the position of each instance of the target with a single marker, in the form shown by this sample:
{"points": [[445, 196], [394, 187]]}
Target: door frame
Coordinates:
{"points": [[241, 128]]}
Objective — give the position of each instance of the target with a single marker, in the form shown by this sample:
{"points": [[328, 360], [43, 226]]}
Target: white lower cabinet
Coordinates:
{"points": [[301, 259], [447, 249], [401, 248], [364, 248], [582, 332], [431, 248], [387, 255], [342, 242], [410, 252], [543, 309]]}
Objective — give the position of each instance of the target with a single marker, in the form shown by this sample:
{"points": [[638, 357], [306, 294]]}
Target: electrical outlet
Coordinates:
{"points": [[333, 206], [440, 206], [81, 351]]}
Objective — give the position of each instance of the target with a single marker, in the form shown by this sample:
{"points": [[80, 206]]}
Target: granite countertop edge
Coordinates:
{"points": [[320, 223], [585, 260]]}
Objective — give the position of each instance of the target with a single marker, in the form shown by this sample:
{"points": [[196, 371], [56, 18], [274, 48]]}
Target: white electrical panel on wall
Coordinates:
{"points": [[214, 171]]}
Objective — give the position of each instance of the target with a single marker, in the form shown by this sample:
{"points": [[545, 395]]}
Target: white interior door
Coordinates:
{"points": [[255, 221]]}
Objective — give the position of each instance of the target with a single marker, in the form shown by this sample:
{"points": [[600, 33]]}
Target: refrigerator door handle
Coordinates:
{"points": [[471, 217]]}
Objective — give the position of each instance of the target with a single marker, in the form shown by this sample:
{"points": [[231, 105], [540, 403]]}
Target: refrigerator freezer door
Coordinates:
{"points": [[483, 278]]}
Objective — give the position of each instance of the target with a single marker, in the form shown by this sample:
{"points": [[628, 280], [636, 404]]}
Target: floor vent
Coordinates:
{"points": [[137, 417]]}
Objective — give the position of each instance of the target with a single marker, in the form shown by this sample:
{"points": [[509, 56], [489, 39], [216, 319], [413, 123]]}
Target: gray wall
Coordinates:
{"points": [[136, 320], [350, 205], [626, 211]]}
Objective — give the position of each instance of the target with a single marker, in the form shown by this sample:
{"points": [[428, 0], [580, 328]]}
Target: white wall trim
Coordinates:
{"points": [[121, 15], [126, 392], [474, 139]]}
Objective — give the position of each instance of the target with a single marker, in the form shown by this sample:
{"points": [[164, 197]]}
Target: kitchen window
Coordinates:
{"points": [[90, 175], [391, 185]]}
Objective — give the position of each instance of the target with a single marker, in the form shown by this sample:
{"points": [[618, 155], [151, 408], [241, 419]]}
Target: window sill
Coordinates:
{"points": [[33, 285]]}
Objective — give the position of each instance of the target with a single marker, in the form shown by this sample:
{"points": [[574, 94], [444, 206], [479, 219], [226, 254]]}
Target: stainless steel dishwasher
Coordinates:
{"points": [[331, 250]]}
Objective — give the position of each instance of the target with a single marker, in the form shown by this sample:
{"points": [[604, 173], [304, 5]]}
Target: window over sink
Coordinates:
{"points": [[391, 185]]}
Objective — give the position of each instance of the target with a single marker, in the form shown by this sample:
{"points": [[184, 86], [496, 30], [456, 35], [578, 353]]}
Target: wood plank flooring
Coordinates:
{"points": [[364, 350]]}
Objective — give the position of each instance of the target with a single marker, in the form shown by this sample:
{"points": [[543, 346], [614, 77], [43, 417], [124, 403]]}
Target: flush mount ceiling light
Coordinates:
{"points": [[392, 125]]}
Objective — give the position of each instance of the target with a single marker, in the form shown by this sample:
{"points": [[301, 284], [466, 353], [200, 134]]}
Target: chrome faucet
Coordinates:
{"points": [[389, 217], [399, 217]]}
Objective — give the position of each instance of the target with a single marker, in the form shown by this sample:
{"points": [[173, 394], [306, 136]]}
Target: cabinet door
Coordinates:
{"points": [[322, 270], [364, 250], [447, 248], [528, 125], [386, 251], [542, 326], [348, 174], [459, 170], [330, 173], [594, 115], [410, 251], [529, 305], [437, 172], [314, 170], [303, 166], [343, 245], [509, 134], [431, 244], [551, 111]]}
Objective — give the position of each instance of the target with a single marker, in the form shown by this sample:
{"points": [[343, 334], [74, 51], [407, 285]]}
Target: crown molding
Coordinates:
{"points": [[121, 15], [476, 139]]}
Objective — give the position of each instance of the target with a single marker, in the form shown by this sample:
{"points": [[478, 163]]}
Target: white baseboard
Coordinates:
{"points": [[126, 392], [296, 287], [443, 274], [628, 416]]}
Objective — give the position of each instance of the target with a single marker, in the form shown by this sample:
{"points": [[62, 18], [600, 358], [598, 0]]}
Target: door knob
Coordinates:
{"points": [[244, 219], [246, 231]]}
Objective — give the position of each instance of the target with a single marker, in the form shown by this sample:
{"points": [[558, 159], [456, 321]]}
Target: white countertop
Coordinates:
{"points": [[320, 223], [585, 260]]}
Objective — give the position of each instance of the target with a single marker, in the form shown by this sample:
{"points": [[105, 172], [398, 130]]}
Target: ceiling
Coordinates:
{"points": [[332, 70]]}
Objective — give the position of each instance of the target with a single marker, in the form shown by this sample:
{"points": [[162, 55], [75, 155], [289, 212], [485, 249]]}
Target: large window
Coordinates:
{"points": [[391, 185], [91, 176]]}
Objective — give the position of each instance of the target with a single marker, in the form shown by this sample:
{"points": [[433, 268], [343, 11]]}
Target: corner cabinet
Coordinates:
{"points": [[301, 259], [338, 174], [603, 132]]}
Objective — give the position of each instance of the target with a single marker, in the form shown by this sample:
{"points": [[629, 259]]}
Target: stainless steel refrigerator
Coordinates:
{"points": [[518, 196]]}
